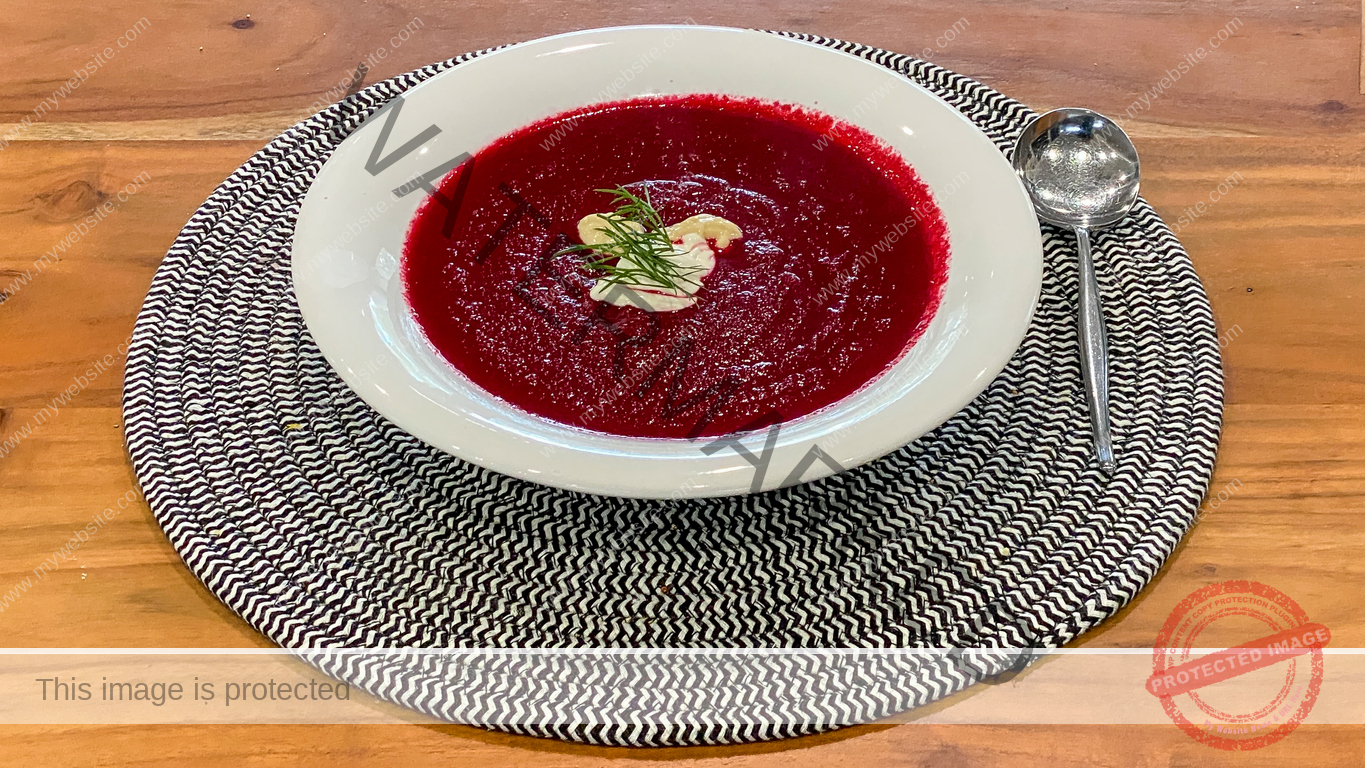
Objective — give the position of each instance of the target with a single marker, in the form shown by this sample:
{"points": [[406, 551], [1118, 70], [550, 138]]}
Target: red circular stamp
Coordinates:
{"points": [[1246, 696]]}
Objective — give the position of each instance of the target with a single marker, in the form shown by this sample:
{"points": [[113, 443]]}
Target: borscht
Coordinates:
{"points": [[677, 266]]}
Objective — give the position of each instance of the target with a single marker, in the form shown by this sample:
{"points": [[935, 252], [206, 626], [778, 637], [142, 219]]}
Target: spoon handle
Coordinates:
{"points": [[1094, 354]]}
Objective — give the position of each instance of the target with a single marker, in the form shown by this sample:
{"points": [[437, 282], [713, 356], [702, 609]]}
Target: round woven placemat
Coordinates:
{"points": [[324, 525]]}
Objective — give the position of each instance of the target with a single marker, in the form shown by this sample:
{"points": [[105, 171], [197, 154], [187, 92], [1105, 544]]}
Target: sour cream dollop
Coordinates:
{"points": [[692, 253]]}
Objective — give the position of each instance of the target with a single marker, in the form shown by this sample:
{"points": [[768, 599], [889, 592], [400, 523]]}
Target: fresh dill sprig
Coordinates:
{"points": [[638, 247]]}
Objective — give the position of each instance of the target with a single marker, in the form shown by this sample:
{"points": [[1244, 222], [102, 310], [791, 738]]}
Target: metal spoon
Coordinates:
{"points": [[1081, 170]]}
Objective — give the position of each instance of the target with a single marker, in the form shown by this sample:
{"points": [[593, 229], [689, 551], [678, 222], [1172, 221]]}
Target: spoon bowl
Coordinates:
{"points": [[1079, 167]]}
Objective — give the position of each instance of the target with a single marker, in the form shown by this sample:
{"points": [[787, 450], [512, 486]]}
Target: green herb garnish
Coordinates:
{"points": [[638, 247]]}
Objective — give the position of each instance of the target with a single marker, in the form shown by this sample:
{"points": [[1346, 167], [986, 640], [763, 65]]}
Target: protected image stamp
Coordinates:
{"points": [[1267, 707]]}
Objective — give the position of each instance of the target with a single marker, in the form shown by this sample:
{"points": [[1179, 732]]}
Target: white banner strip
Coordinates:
{"points": [[1085, 686]]}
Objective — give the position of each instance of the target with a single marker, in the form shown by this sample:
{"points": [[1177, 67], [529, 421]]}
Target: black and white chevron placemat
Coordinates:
{"points": [[324, 525]]}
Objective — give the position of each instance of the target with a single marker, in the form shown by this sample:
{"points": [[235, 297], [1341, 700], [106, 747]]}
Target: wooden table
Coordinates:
{"points": [[1274, 115]]}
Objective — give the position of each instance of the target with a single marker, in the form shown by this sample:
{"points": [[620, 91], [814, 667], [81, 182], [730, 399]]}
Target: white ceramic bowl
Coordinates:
{"points": [[351, 228]]}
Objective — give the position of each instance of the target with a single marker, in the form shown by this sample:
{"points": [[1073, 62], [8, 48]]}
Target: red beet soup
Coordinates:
{"points": [[839, 269]]}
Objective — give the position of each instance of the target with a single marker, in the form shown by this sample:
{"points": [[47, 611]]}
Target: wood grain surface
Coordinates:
{"points": [[1274, 114]]}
